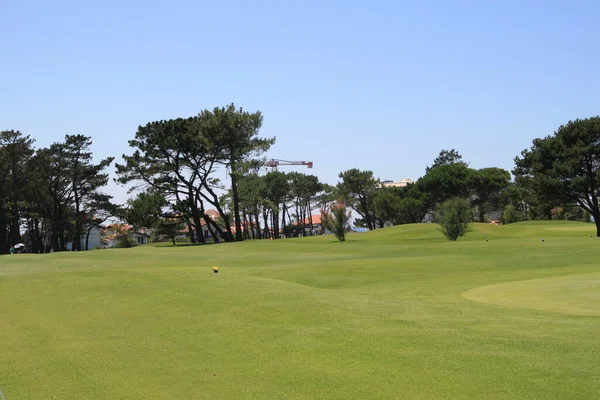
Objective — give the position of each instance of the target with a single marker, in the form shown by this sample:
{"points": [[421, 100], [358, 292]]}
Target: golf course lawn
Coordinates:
{"points": [[398, 313]]}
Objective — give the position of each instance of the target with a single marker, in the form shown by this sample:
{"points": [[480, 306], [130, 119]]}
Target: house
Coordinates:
{"points": [[317, 226], [185, 232], [402, 183], [140, 236], [94, 240]]}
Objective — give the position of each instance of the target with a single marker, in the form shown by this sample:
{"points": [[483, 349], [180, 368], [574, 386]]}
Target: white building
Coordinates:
{"points": [[94, 241], [402, 183]]}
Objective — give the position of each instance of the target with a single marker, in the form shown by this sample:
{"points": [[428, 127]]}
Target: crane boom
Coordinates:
{"points": [[275, 163]]}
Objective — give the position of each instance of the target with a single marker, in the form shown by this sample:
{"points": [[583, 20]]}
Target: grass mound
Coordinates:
{"points": [[573, 294]]}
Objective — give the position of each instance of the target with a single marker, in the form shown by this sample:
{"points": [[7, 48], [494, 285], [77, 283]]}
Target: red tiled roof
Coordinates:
{"points": [[316, 219]]}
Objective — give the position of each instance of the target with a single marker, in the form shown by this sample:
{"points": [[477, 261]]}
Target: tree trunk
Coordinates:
{"points": [[227, 234], [15, 234], [251, 224], [198, 229], [310, 219], [368, 217], [3, 237], [236, 201], [209, 225], [283, 226], [481, 213], [54, 238], [266, 234], [196, 215], [596, 216], [246, 233], [257, 221], [191, 232], [87, 238], [76, 245]]}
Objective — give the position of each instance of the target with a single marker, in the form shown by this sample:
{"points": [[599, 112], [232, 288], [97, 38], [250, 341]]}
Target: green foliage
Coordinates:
{"points": [[446, 181], [447, 157], [233, 134], [486, 185], [169, 228], [511, 214], [86, 181], [454, 216], [146, 209], [16, 149], [356, 188], [565, 168], [179, 158], [337, 220], [572, 213], [387, 206]]}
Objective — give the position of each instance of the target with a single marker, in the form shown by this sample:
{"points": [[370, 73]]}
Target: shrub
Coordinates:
{"points": [[337, 220], [510, 215], [454, 216]]}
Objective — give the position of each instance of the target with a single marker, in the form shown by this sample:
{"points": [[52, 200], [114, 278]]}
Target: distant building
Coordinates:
{"points": [[109, 234], [94, 240], [402, 183]]}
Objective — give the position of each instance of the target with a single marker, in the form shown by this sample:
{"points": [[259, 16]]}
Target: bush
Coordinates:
{"points": [[337, 220], [510, 215], [125, 242], [454, 216]]}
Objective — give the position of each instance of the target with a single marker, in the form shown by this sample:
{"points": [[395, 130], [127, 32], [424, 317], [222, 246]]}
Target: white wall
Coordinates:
{"points": [[94, 240]]}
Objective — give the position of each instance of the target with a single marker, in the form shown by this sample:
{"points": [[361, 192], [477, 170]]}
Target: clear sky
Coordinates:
{"points": [[380, 85]]}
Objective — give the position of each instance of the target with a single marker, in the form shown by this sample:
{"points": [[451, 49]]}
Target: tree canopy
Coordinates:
{"points": [[564, 169], [53, 197]]}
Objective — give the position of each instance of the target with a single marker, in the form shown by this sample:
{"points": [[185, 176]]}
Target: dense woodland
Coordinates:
{"points": [[50, 197]]}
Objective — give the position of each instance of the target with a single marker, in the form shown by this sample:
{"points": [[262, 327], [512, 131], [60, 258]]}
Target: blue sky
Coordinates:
{"points": [[379, 85]]}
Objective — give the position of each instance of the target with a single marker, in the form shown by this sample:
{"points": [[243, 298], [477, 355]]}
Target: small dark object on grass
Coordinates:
{"points": [[542, 239], [216, 270]]}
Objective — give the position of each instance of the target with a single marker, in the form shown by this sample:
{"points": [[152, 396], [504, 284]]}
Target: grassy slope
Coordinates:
{"points": [[383, 315]]}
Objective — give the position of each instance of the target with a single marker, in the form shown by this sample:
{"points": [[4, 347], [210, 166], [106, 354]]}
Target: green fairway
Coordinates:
{"points": [[399, 313], [574, 294]]}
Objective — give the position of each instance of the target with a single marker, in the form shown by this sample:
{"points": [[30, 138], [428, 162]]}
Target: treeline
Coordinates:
{"points": [[491, 193], [52, 197], [54, 194]]}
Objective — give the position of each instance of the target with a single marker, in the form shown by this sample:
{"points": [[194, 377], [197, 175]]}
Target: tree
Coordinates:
{"points": [[447, 157], [337, 220], [251, 187], [446, 181], [146, 209], [356, 188], [416, 204], [51, 189], [15, 150], [454, 216], [122, 235], [564, 168], [510, 215], [233, 134], [277, 188], [387, 206], [169, 228], [487, 183], [174, 158], [86, 181]]}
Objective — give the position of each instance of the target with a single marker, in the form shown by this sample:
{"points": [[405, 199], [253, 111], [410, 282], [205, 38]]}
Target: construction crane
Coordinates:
{"points": [[275, 163]]}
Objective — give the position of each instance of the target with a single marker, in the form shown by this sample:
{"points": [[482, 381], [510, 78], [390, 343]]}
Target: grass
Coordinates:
{"points": [[398, 313]]}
